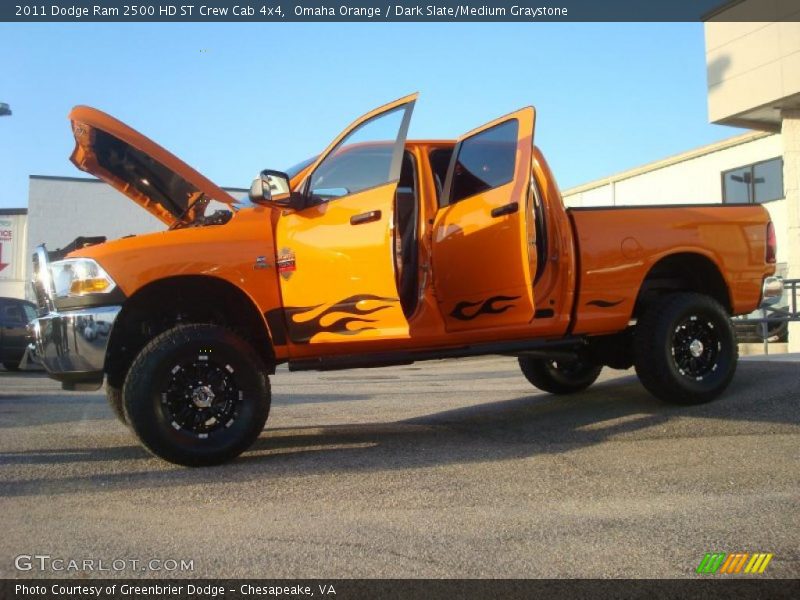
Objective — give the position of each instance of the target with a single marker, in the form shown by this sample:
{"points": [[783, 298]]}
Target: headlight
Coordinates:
{"points": [[78, 277]]}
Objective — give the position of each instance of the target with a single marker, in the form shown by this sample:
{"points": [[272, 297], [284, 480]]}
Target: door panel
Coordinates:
{"points": [[483, 276], [335, 257]]}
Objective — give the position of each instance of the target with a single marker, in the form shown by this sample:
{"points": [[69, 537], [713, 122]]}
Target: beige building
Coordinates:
{"points": [[754, 81], [753, 70]]}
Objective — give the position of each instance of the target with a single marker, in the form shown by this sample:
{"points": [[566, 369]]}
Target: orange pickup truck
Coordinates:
{"points": [[382, 251]]}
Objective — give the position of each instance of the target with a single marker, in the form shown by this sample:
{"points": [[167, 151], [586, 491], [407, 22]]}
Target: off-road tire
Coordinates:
{"points": [[158, 380], [685, 349], [559, 377]]}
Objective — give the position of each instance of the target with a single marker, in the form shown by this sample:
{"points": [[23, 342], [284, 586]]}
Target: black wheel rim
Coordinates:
{"points": [[201, 397], [567, 367], [696, 347]]}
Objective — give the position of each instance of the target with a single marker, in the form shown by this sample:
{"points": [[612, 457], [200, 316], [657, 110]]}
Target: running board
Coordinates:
{"points": [[545, 348]]}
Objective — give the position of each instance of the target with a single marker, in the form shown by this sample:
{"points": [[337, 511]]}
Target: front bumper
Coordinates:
{"points": [[72, 344], [71, 341]]}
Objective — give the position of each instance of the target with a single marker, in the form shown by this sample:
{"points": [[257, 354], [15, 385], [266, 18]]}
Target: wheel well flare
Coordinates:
{"points": [[165, 303]]}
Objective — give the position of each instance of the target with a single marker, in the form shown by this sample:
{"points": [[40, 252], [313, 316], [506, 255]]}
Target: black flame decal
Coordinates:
{"points": [[603, 303], [487, 307], [302, 332]]}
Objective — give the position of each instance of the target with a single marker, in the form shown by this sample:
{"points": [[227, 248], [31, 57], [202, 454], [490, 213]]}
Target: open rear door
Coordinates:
{"points": [[482, 270], [335, 256]]}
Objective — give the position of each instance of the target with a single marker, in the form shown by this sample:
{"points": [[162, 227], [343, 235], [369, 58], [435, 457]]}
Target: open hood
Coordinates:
{"points": [[141, 169]]}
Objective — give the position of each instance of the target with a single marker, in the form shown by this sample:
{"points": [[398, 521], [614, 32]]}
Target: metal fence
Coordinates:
{"points": [[783, 311]]}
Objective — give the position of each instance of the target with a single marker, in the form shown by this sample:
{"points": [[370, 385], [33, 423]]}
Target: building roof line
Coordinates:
{"points": [[95, 180], [737, 140], [724, 6]]}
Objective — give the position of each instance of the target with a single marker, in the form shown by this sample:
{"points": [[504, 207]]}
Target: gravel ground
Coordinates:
{"points": [[440, 469]]}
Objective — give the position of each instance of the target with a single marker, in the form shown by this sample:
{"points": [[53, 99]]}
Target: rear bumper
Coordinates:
{"points": [[771, 290], [72, 344]]}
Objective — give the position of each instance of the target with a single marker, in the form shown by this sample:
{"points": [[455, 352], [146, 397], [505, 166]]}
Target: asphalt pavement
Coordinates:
{"points": [[439, 469]]}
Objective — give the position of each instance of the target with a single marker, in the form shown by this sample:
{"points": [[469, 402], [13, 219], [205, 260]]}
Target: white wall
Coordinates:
{"points": [[697, 179], [61, 209], [693, 180]]}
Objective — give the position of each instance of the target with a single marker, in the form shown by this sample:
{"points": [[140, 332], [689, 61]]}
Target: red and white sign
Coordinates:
{"points": [[6, 247], [2, 264]]}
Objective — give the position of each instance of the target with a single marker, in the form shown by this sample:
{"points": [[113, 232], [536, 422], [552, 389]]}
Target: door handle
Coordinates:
{"points": [[506, 209], [366, 217]]}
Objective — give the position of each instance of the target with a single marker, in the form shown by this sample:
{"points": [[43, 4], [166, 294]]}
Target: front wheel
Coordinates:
{"points": [[197, 395], [685, 349], [559, 376]]}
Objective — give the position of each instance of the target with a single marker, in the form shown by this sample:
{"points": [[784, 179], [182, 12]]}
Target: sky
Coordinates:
{"points": [[232, 99]]}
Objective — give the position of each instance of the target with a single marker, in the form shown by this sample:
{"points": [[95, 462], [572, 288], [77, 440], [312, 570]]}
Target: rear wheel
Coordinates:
{"points": [[11, 365], [197, 395], [685, 349], [559, 376]]}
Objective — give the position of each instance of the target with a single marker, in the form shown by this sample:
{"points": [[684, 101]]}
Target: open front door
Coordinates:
{"points": [[335, 256], [481, 264]]}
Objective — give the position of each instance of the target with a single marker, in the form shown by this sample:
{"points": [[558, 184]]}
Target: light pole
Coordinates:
{"points": [[5, 110]]}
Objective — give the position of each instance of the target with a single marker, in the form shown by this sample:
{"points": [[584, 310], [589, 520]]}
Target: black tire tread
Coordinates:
{"points": [[539, 375], [137, 381], [651, 330]]}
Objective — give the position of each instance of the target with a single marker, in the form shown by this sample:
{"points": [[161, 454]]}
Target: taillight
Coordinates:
{"points": [[772, 244]]}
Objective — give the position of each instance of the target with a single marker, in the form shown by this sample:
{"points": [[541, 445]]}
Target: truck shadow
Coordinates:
{"points": [[25, 409], [762, 399]]}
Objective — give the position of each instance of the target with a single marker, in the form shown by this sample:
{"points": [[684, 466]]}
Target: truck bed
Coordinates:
{"points": [[618, 247]]}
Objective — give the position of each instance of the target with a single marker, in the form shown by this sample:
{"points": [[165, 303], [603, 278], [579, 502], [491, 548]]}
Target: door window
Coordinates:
{"points": [[485, 161], [369, 156]]}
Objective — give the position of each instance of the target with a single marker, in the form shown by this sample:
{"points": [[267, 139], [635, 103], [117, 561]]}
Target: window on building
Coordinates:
{"points": [[756, 183]]}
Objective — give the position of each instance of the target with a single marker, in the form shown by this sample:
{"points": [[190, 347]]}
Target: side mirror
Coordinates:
{"points": [[272, 188]]}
